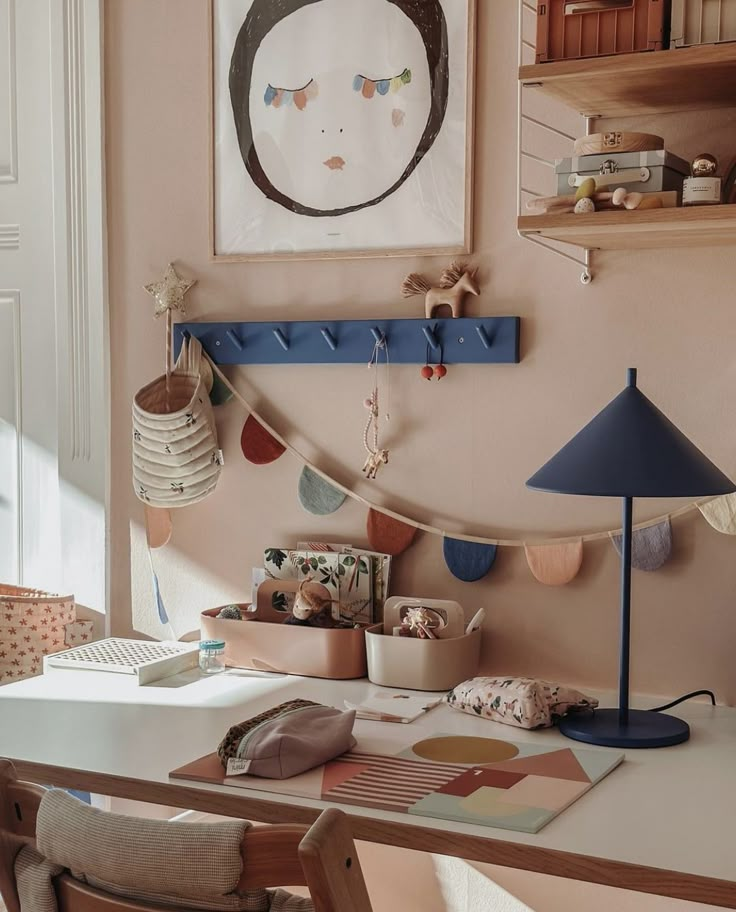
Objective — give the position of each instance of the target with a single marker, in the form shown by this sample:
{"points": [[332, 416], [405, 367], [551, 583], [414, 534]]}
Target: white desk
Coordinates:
{"points": [[663, 822]]}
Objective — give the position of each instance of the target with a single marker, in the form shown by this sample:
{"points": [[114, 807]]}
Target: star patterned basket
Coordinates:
{"points": [[34, 624]]}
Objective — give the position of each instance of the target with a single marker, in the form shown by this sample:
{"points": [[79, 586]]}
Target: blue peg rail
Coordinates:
{"points": [[489, 340]]}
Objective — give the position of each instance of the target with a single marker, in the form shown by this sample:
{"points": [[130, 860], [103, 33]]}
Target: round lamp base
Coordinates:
{"points": [[643, 729]]}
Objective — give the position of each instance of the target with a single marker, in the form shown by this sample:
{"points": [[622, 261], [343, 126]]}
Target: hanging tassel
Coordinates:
{"points": [[468, 561], [160, 607], [258, 446], [318, 496], [555, 565], [387, 535], [650, 547], [721, 513]]}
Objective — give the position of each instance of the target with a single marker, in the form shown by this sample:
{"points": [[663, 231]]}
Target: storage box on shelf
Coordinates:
{"points": [[702, 22], [569, 29], [644, 172]]}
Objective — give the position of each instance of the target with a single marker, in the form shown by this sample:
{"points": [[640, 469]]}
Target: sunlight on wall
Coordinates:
{"points": [[187, 588], [467, 890]]}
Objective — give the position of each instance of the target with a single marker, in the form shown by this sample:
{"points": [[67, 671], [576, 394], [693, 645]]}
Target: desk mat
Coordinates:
{"points": [[481, 781]]}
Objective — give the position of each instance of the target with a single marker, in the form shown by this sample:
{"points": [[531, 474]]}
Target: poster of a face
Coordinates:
{"points": [[341, 127]]}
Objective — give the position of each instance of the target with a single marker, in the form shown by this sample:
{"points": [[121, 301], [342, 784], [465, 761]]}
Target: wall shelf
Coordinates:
{"points": [[697, 226], [481, 340], [650, 82]]}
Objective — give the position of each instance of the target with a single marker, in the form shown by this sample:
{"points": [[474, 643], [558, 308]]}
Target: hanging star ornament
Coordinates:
{"points": [[169, 292]]}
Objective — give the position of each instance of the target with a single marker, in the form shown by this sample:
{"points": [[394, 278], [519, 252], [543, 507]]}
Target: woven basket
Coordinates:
{"points": [[34, 624], [176, 457]]}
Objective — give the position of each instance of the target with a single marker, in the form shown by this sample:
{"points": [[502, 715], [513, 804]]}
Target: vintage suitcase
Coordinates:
{"points": [[571, 29], [645, 172], [702, 22]]}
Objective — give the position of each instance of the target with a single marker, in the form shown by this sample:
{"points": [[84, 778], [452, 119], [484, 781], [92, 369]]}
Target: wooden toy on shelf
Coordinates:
{"points": [[457, 281]]}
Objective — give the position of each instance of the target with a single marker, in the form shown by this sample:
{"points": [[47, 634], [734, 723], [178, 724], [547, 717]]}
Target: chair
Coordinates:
{"points": [[323, 858]]}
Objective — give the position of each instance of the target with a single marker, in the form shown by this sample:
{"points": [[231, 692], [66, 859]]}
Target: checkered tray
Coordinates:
{"points": [[147, 661]]}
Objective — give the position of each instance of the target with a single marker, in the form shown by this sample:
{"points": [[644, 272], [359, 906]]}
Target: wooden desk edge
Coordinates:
{"points": [[622, 875]]}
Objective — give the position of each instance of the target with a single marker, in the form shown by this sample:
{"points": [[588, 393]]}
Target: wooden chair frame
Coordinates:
{"points": [[322, 857]]}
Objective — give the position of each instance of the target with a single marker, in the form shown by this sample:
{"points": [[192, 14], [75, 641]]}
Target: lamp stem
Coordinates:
{"points": [[623, 676]]}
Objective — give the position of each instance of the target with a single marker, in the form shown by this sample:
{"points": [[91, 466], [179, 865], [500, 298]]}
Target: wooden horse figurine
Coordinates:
{"points": [[377, 456], [374, 462], [456, 281]]}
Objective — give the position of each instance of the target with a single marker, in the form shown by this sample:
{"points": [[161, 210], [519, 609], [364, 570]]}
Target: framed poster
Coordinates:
{"points": [[341, 128]]}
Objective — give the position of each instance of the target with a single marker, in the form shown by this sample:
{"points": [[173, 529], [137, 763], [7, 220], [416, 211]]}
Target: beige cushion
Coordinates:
{"points": [[33, 874], [192, 865]]}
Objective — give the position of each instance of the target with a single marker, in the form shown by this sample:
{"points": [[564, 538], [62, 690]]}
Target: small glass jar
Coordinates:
{"points": [[212, 656]]}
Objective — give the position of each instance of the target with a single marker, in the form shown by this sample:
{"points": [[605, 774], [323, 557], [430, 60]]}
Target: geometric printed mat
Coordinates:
{"points": [[482, 781]]}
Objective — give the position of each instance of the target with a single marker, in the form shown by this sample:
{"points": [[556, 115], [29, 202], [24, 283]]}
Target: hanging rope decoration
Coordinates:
{"points": [[377, 455], [425, 527]]}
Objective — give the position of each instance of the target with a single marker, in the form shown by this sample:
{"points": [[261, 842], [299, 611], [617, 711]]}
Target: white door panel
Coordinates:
{"points": [[53, 387]]}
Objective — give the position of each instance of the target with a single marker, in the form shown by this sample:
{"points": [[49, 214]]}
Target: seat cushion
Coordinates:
{"points": [[191, 865]]}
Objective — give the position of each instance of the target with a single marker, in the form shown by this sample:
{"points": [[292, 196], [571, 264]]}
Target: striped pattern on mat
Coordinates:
{"points": [[392, 783]]}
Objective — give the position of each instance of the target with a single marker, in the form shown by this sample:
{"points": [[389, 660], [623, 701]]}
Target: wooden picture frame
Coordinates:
{"points": [[422, 166]]}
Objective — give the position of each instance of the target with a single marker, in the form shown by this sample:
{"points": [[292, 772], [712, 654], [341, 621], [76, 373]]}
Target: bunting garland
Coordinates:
{"points": [[555, 565], [468, 561], [387, 535], [650, 547], [721, 513], [158, 526], [553, 561], [259, 446], [317, 496]]}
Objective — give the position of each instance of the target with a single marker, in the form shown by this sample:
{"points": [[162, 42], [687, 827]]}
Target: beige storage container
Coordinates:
{"points": [[415, 664], [702, 22], [310, 651]]}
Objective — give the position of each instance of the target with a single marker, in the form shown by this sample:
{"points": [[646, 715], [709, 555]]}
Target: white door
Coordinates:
{"points": [[53, 427]]}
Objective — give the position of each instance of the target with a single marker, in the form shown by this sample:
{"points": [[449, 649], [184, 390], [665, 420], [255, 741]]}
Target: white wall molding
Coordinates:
{"points": [[78, 310], [11, 299], [9, 237], [80, 244], [9, 160]]}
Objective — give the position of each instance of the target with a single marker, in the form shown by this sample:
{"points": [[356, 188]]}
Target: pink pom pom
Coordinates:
{"points": [[368, 403]]}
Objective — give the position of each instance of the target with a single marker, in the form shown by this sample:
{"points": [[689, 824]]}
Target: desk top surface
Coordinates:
{"points": [[672, 808]]}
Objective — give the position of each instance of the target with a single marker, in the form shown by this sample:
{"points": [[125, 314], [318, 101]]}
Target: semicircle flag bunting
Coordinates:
{"points": [[555, 565], [652, 541], [650, 547], [219, 394], [721, 513], [158, 526], [318, 496], [387, 535], [257, 444], [468, 561]]}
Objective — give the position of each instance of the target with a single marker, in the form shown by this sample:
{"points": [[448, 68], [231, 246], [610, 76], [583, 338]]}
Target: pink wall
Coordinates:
{"points": [[462, 449]]}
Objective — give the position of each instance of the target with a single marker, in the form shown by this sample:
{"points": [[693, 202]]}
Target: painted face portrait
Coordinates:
{"points": [[336, 102]]}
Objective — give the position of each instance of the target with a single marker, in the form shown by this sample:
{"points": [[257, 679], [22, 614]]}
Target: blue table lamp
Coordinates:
{"points": [[628, 450]]}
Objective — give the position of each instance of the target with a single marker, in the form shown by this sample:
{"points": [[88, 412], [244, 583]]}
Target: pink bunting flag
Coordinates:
{"points": [[555, 564]]}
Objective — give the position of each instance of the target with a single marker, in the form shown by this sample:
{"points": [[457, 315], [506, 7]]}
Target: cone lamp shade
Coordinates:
{"points": [[628, 450]]}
